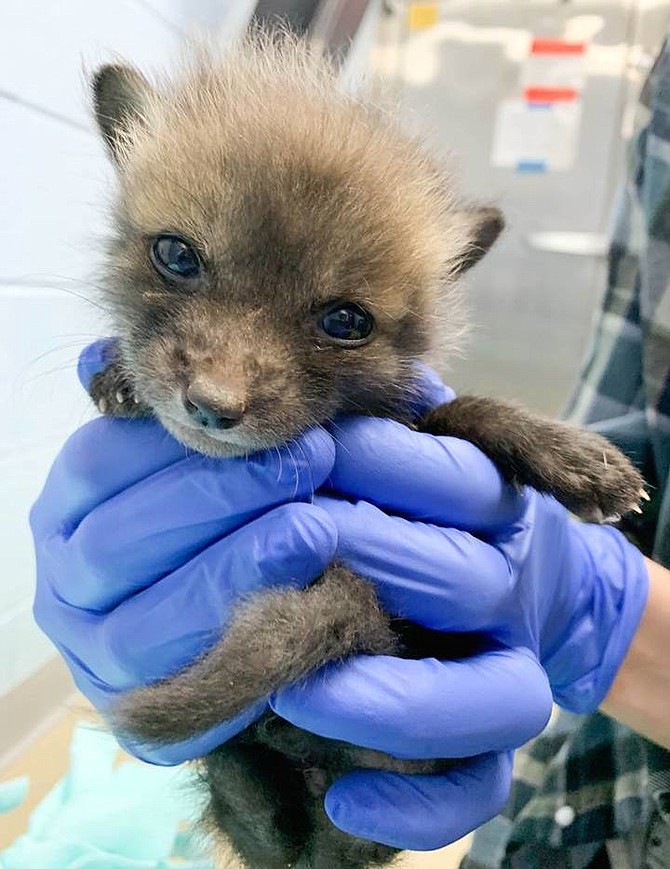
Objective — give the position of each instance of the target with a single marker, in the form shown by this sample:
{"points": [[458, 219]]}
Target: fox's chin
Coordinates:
{"points": [[219, 444]]}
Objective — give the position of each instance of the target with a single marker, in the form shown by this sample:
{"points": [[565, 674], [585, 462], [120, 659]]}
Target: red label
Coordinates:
{"points": [[556, 46], [549, 95]]}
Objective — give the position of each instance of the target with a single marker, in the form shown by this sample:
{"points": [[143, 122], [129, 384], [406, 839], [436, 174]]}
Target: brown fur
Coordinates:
{"points": [[295, 195], [349, 620]]}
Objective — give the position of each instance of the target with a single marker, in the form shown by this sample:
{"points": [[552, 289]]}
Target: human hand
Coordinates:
{"points": [[449, 545], [143, 548]]}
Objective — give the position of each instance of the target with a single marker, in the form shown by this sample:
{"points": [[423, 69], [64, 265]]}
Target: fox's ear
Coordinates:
{"points": [[482, 226], [120, 95]]}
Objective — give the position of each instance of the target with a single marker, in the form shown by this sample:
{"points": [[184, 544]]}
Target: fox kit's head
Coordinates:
{"points": [[279, 247]]}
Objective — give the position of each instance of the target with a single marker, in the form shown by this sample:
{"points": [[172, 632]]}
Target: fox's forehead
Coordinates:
{"points": [[280, 180], [299, 224]]}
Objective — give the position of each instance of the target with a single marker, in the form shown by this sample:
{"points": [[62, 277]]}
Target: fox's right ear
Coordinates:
{"points": [[120, 95]]}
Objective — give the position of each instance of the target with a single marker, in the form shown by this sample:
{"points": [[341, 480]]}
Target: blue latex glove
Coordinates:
{"points": [[452, 547], [142, 549]]}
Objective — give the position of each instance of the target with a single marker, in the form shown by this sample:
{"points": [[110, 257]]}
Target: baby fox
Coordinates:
{"points": [[282, 254]]}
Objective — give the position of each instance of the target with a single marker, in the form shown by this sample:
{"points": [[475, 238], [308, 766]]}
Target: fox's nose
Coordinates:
{"points": [[208, 411]]}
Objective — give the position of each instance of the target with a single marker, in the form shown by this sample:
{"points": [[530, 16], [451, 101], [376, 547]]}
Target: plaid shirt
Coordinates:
{"points": [[589, 792]]}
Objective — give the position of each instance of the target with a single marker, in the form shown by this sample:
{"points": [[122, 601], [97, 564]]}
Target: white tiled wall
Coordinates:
{"points": [[53, 175]]}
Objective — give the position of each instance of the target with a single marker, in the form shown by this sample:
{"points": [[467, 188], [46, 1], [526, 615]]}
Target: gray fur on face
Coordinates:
{"points": [[295, 196]]}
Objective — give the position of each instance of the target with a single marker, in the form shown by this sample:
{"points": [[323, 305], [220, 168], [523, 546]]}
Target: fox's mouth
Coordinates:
{"points": [[219, 444]]}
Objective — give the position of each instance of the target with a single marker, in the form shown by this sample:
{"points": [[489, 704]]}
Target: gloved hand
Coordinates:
{"points": [[449, 545], [142, 549]]}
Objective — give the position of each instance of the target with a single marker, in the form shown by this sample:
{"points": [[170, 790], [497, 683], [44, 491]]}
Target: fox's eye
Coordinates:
{"points": [[346, 322], [173, 257]]}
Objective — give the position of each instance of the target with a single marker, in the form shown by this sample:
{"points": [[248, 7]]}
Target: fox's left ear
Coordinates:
{"points": [[481, 227], [120, 94]]}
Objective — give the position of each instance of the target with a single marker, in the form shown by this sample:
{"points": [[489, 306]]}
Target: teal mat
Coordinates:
{"points": [[132, 816]]}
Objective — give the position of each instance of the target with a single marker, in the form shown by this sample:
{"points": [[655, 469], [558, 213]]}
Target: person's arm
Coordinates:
{"points": [[640, 694]]}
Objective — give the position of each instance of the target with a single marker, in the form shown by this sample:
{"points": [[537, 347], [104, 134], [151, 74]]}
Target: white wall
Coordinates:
{"points": [[53, 175]]}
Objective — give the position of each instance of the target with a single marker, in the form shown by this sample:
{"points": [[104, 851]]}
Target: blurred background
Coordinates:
{"points": [[532, 102]]}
